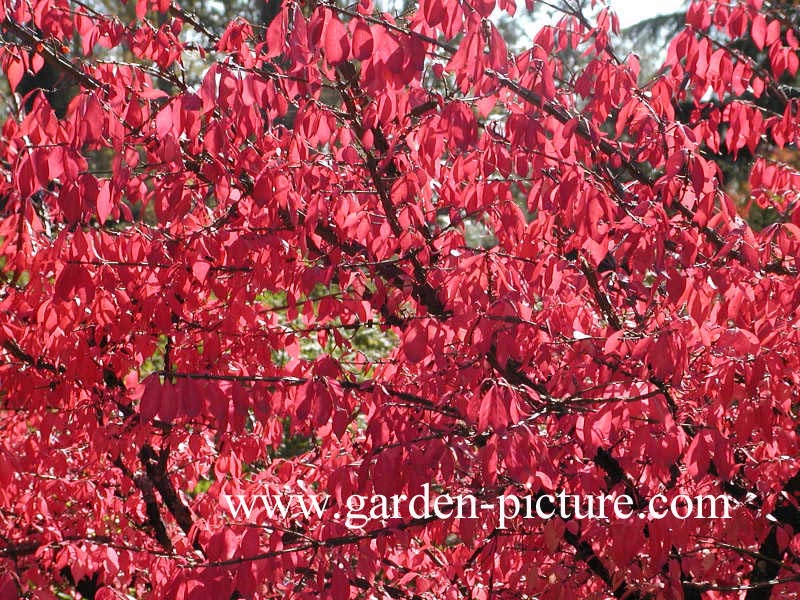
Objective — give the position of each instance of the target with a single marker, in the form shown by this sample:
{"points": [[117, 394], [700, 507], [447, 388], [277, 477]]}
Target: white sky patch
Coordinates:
{"points": [[631, 12]]}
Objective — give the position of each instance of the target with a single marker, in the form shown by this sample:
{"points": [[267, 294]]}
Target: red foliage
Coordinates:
{"points": [[627, 333]]}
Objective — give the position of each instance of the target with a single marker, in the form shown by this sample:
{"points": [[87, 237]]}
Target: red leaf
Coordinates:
{"points": [[415, 342], [362, 41], [773, 32], [218, 403], [276, 35], [335, 40], [434, 11], [200, 270], [222, 545], [191, 396], [498, 52], [596, 251], [14, 68], [168, 409], [340, 586], [104, 204], [150, 403], [759, 31]]}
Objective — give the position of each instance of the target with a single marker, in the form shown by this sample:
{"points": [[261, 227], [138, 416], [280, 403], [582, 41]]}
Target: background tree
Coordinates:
{"points": [[647, 38]]}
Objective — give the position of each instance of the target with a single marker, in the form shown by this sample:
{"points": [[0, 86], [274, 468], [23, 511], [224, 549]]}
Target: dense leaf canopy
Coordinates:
{"points": [[263, 273]]}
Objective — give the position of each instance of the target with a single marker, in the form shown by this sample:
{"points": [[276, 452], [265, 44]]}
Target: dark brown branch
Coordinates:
{"points": [[600, 297], [33, 40], [155, 465], [145, 486], [335, 542], [363, 386], [763, 577], [22, 356]]}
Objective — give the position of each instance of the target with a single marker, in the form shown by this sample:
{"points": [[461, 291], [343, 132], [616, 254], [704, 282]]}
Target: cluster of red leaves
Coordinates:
{"points": [[333, 162]]}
